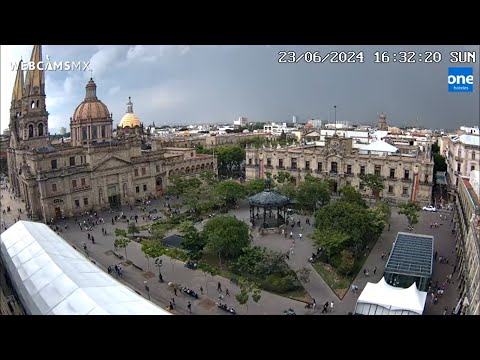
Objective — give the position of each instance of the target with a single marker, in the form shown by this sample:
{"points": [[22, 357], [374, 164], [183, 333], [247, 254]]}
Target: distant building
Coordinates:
{"points": [[315, 123], [470, 130], [382, 122], [467, 226], [62, 131], [240, 122]]}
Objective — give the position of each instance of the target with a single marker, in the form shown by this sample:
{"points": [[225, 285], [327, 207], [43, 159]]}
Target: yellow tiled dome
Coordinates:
{"points": [[130, 120]]}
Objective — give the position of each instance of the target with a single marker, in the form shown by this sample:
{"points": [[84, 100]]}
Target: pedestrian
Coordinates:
{"points": [[291, 234], [219, 287], [227, 292], [171, 305], [173, 301], [331, 306], [445, 310], [300, 236], [374, 270], [175, 291], [435, 255], [325, 308], [189, 306], [201, 290], [314, 303], [93, 240]]}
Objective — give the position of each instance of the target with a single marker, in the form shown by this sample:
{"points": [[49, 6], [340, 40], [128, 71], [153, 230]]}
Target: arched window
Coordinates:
{"points": [[38, 103], [84, 133], [32, 105], [40, 129], [30, 131]]}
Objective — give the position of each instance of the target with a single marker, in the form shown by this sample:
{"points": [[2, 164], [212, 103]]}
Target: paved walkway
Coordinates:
{"points": [[174, 271]]}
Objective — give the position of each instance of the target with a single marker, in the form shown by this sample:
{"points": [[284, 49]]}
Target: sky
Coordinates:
{"points": [[183, 84]]}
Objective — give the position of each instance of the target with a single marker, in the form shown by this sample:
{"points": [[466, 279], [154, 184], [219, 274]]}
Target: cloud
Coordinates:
{"points": [[113, 90], [152, 53]]}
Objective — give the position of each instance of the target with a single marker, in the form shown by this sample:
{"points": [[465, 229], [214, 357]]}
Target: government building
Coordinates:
{"points": [[93, 170], [407, 171]]}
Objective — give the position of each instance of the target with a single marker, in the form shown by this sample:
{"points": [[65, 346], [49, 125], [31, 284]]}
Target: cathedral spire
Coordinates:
{"points": [[91, 91], [130, 105], [35, 78], [18, 88]]}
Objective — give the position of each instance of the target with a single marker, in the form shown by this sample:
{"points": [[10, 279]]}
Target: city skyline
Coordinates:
{"points": [[216, 84]]}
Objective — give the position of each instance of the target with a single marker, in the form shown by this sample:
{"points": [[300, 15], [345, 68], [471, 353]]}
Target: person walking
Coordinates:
{"points": [[219, 287], [175, 291], [374, 270], [300, 236], [201, 290], [331, 306], [227, 292], [189, 306]]}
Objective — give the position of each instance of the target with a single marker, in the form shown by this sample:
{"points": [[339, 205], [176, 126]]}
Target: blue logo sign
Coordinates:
{"points": [[460, 79]]}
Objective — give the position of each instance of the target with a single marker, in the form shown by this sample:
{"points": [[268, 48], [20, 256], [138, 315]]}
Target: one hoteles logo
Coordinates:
{"points": [[52, 65], [460, 79]]}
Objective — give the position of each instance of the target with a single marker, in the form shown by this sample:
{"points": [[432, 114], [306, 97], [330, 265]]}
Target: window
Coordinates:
{"points": [[30, 131], [458, 167], [392, 173], [426, 178], [473, 155], [103, 131], [349, 169], [333, 168], [472, 168], [378, 170], [320, 166], [74, 183], [77, 203], [249, 161], [85, 201], [54, 164], [362, 170], [54, 187], [191, 154], [157, 168], [307, 165], [72, 160], [269, 162], [40, 129], [405, 191], [137, 189], [406, 174], [280, 163], [84, 133], [94, 133], [83, 181], [144, 171], [390, 189], [136, 172], [144, 187], [361, 186], [294, 163]]}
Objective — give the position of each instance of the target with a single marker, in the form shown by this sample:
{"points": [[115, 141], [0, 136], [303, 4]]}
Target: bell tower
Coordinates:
{"points": [[33, 123]]}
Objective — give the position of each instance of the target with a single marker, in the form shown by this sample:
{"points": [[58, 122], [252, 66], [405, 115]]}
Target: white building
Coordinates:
{"points": [[470, 130], [62, 131], [276, 128], [240, 122]]}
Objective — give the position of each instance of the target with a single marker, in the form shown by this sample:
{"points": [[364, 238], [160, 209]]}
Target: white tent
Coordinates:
{"points": [[52, 278], [384, 299], [378, 147]]}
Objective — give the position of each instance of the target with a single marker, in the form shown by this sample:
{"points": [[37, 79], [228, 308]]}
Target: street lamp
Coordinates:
{"points": [[159, 263], [147, 289]]}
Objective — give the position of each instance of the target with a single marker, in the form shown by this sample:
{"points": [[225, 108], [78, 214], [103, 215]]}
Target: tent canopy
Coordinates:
{"points": [[379, 146], [52, 278], [393, 298]]}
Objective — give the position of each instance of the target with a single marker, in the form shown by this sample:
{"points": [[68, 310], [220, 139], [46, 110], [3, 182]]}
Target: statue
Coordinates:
{"points": [[268, 183]]}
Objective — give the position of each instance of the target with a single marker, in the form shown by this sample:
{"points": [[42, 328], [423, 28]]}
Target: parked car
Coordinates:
{"points": [[430, 208]]}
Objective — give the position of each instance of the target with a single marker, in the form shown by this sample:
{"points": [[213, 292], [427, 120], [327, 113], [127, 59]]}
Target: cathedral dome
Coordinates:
{"points": [[91, 109], [130, 119]]}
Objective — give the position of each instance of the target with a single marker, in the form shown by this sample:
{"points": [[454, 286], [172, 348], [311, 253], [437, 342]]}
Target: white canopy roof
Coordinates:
{"points": [[379, 146], [52, 278], [393, 298]]}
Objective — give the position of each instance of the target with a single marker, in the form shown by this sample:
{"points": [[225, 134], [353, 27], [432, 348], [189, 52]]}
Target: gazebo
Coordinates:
{"points": [[268, 200]]}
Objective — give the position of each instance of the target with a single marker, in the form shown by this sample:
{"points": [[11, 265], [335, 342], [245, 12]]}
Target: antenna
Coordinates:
{"points": [[91, 74], [335, 111]]}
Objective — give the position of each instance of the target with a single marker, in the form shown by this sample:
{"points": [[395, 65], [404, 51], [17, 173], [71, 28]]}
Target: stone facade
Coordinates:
{"points": [[91, 172], [339, 162]]}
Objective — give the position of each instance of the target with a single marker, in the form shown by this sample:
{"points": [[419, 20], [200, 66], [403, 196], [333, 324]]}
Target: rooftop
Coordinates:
{"points": [[412, 254], [268, 198]]}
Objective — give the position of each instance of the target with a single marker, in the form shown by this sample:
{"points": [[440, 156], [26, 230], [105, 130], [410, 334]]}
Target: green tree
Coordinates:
{"points": [[435, 148], [332, 241], [152, 249], [381, 214], [351, 195], [312, 192], [133, 229], [410, 210], [120, 233], [255, 186], [179, 185], [209, 177], [229, 157], [439, 163], [193, 241], [347, 262], [283, 177], [248, 288], [374, 183], [122, 243], [230, 191], [250, 261], [226, 236]]}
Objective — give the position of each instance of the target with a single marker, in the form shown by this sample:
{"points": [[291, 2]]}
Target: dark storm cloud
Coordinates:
{"points": [[197, 84]]}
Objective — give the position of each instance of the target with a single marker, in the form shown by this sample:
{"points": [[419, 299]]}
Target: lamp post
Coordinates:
{"points": [[147, 289], [158, 264]]}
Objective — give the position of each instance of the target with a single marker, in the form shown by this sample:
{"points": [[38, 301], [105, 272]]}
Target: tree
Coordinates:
{"points": [[351, 195], [226, 236], [283, 177], [410, 210], [179, 185], [120, 233], [374, 183], [247, 288], [439, 163], [133, 229], [347, 262], [303, 274], [230, 191], [332, 241], [209, 177], [193, 241], [152, 249], [122, 243], [255, 186], [381, 214], [229, 157], [311, 192]]}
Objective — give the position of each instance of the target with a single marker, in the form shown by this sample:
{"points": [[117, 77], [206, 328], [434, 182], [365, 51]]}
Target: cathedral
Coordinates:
{"points": [[94, 170]]}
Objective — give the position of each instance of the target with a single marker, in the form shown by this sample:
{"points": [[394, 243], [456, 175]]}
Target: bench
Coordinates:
{"points": [[118, 255], [137, 267]]}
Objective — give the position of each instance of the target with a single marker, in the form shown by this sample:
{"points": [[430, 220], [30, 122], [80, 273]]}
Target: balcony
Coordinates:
{"points": [[458, 159], [319, 171], [81, 188], [268, 166], [280, 167], [406, 179], [392, 178], [349, 174], [360, 174]]}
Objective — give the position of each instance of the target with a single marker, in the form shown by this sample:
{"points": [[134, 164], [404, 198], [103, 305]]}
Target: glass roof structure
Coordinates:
{"points": [[412, 254], [52, 278]]}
